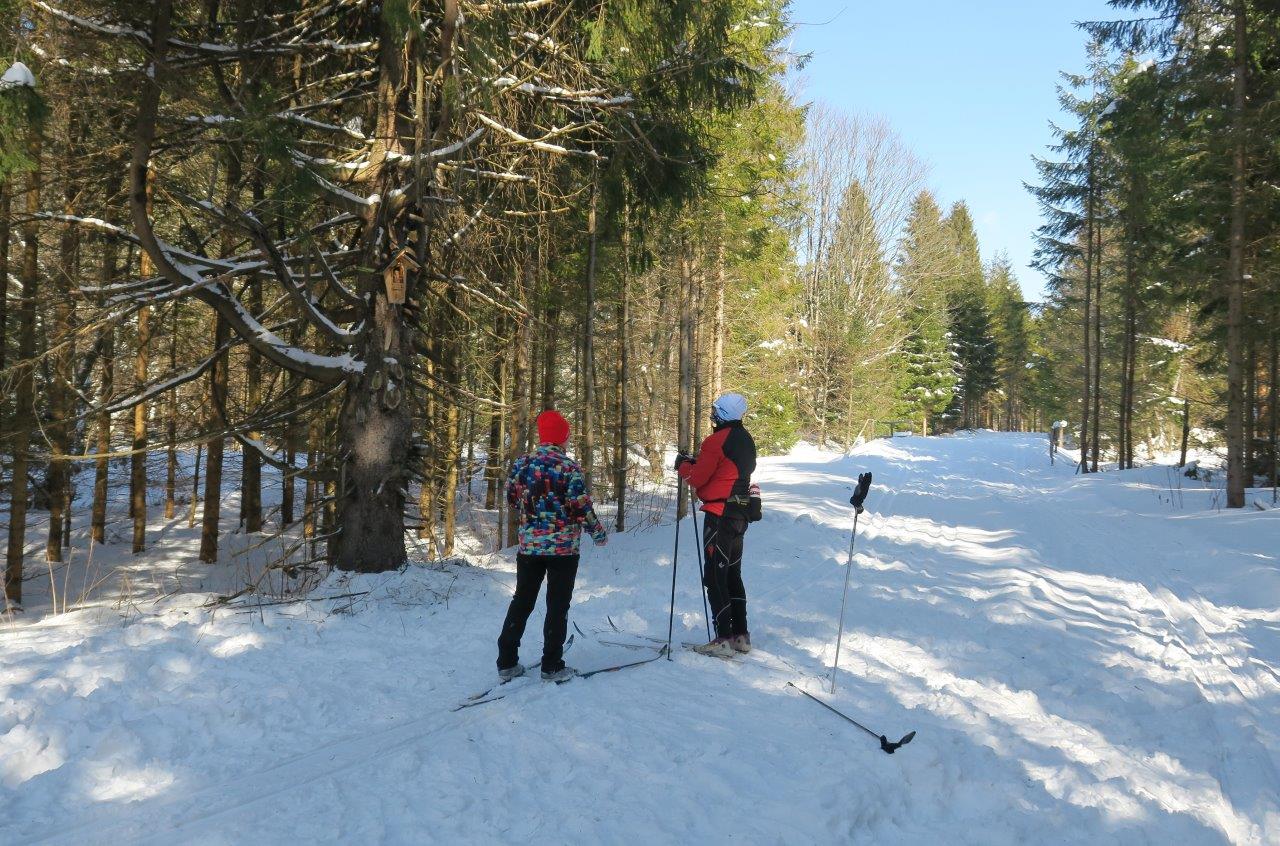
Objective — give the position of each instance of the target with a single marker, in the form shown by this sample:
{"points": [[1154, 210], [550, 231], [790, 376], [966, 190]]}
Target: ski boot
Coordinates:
{"points": [[721, 647], [559, 676]]}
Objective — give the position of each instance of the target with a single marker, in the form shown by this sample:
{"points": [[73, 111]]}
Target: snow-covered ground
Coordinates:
{"points": [[1085, 659]]}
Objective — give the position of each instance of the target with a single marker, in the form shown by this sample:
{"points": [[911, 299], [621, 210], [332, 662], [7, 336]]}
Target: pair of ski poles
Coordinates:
{"points": [[675, 561]]}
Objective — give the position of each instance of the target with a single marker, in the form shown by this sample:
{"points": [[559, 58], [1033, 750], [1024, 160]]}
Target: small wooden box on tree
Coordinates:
{"points": [[395, 276]]}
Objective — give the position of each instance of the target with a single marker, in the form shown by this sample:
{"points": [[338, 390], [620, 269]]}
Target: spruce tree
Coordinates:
{"points": [[923, 271], [929, 381], [1012, 327], [972, 338]]}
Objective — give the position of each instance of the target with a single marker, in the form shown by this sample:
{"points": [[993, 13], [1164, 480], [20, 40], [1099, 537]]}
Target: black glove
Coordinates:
{"points": [[860, 493], [681, 458]]}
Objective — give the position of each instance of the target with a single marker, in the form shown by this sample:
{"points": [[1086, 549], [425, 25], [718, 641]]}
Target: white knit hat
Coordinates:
{"points": [[730, 407]]}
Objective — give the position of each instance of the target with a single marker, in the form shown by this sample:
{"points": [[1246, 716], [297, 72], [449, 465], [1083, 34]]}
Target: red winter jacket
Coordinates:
{"points": [[723, 467]]}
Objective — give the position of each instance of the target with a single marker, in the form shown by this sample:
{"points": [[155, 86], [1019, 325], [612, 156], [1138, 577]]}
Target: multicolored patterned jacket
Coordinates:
{"points": [[549, 492]]}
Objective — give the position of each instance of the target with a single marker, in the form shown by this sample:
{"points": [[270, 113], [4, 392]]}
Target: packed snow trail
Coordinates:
{"points": [[1085, 660]]}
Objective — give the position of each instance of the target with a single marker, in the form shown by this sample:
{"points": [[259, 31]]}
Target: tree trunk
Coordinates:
{"points": [[1186, 431], [211, 516], [138, 460], [588, 344], [549, 359], [1129, 353], [24, 391], [171, 427], [1250, 409], [61, 384], [329, 519], [469, 464], [375, 433], [195, 486], [684, 435], [1096, 445], [1132, 376], [624, 375], [211, 513], [106, 386], [503, 436], [141, 366], [287, 480], [717, 340], [1235, 265], [1273, 368], [6, 234], [493, 460], [520, 420], [1089, 259], [451, 442], [696, 345], [251, 461], [311, 489], [375, 427], [431, 466]]}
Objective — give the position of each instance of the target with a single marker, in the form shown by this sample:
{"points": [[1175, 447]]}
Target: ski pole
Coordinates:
{"points": [[885, 744], [675, 562], [697, 540], [859, 496]]}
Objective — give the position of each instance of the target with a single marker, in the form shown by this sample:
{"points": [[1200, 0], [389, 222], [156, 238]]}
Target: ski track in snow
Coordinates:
{"points": [[1083, 662]]}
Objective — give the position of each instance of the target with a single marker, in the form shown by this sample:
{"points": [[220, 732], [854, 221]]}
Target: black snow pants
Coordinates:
{"points": [[560, 572], [722, 574]]}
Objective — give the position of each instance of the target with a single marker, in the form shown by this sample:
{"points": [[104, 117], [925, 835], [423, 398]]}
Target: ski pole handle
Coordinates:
{"points": [[860, 492]]}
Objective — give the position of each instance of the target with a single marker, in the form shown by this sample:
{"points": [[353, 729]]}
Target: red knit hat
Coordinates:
{"points": [[552, 427]]}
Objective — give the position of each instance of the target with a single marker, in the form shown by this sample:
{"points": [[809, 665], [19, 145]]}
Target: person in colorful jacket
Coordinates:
{"points": [[721, 478], [547, 489]]}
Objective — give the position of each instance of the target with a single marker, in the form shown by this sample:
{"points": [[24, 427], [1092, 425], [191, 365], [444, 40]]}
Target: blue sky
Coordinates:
{"points": [[970, 86]]}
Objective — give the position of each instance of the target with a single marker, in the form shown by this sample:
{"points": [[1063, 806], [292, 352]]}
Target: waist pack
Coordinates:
{"points": [[750, 505]]}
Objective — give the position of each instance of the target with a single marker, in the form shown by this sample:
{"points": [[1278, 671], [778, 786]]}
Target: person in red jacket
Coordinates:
{"points": [[721, 478]]}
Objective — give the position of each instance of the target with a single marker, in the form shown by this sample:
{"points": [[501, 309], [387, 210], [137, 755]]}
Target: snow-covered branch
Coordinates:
{"points": [[301, 298], [537, 144]]}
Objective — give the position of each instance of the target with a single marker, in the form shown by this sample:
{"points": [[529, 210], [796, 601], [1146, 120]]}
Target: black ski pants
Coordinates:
{"points": [[560, 572], [722, 572]]}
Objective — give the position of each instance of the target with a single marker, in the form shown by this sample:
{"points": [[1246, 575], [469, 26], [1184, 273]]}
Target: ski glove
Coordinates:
{"points": [[681, 458], [860, 493]]}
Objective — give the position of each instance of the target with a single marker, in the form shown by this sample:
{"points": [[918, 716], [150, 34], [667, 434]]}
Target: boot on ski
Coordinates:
{"points": [[559, 676], [721, 647], [741, 643], [509, 673]]}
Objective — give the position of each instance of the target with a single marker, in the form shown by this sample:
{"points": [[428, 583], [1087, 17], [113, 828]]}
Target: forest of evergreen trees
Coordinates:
{"points": [[360, 245], [1160, 237]]}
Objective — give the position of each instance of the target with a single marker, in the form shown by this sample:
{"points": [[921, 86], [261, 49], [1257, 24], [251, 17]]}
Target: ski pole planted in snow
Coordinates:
{"points": [[885, 745], [675, 564], [858, 498]]}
